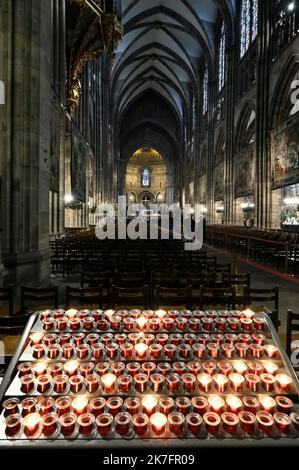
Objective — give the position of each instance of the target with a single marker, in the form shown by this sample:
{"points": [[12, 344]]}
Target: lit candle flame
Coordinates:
{"points": [[268, 403], [71, 367], [79, 404], [149, 402], [270, 367], [36, 337], [141, 349], [108, 380], [158, 421], [240, 367], [216, 403], [234, 403], [248, 313], [31, 421], [160, 313], [141, 322], [71, 313]]}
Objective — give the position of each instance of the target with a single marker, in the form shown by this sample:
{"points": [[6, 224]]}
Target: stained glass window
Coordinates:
{"points": [[205, 92], [222, 61], [249, 24], [146, 177]]}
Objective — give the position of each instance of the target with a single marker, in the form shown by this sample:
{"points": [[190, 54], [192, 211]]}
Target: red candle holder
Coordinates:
{"points": [[176, 338], [140, 381], [13, 425], [46, 405], [92, 339], [225, 367], [268, 382], [162, 338], [65, 338], [231, 338], [173, 313], [112, 350], [53, 351], [283, 422], [167, 323], [220, 324], [132, 405], [181, 323], [38, 351], [230, 422], [102, 368], [154, 323], [27, 383], [255, 367], [228, 350], [126, 350], [60, 383], [86, 368], [117, 368], [241, 349], [128, 323], [45, 314], [49, 339], [199, 350], [115, 322], [173, 382], [49, 424], [62, 323], [92, 383], [68, 424], [179, 367], [86, 424], [124, 383], [213, 350], [194, 324], [83, 313], [166, 405], [97, 350], [200, 405], [258, 338], [204, 338], [63, 405], [148, 339], [207, 323], [114, 405], [48, 324], [148, 368], [157, 381], [122, 423], [295, 420], [212, 422], [96, 314], [158, 422], [78, 338], [28, 406], [55, 368], [221, 382], [102, 325], [68, 350], [133, 368], [82, 351], [140, 423], [209, 367], [251, 404], [233, 323], [259, 323], [247, 421], [188, 382], [107, 338], [252, 382], [104, 424], [256, 350], [190, 338], [194, 423], [176, 423], [184, 351], [43, 383], [183, 405], [265, 421], [284, 404], [11, 406], [24, 368], [217, 338], [97, 406], [76, 383], [75, 324], [163, 368], [246, 324], [120, 338], [170, 350], [194, 367], [244, 338]]}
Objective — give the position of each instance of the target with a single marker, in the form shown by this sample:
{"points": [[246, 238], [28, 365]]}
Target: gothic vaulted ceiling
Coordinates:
{"points": [[161, 49]]}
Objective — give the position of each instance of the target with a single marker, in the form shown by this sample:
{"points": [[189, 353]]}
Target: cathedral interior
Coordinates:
{"points": [[187, 103]]}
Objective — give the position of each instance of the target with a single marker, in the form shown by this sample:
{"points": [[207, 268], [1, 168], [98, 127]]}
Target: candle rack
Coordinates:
{"points": [[179, 377]]}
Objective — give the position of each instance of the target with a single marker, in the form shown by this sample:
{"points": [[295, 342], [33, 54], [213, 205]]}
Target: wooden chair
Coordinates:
{"points": [[198, 279], [86, 296], [240, 280], [172, 296], [103, 278], [217, 296], [292, 326], [130, 296], [252, 295], [32, 296], [6, 297], [131, 279]]}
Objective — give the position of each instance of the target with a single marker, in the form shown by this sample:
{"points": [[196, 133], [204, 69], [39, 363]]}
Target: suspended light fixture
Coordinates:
{"points": [[247, 206], [68, 198], [291, 6], [291, 201]]}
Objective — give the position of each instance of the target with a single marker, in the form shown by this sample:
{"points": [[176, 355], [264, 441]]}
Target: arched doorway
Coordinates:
{"points": [[146, 176]]}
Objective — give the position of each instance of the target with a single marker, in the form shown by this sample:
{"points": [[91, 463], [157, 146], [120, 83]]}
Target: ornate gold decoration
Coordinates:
{"points": [[112, 31]]}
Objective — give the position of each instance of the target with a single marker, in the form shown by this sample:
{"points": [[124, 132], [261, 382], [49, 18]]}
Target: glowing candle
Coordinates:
{"points": [[141, 322], [79, 405], [248, 313], [35, 338], [71, 313], [109, 313], [31, 424], [204, 381], [141, 349], [284, 381], [149, 403], [234, 403], [160, 314], [270, 350], [270, 367], [240, 367], [268, 403], [71, 367], [237, 381], [108, 381], [221, 382], [158, 422], [39, 368], [216, 403]]}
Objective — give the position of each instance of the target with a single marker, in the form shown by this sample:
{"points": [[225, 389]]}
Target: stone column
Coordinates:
{"points": [[25, 45]]}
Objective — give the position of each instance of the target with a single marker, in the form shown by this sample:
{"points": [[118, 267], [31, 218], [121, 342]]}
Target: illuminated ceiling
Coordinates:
{"points": [[161, 49]]}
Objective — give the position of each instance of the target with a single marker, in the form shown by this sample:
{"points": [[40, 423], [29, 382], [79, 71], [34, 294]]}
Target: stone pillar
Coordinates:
{"points": [[25, 55], [263, 166]]}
